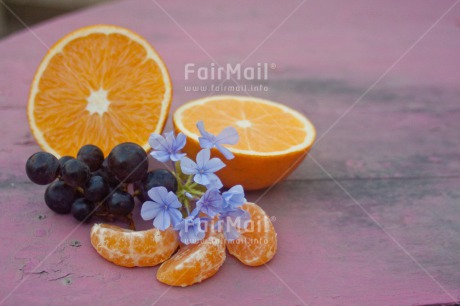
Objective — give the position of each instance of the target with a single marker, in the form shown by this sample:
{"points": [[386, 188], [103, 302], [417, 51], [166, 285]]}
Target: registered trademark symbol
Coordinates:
{"points": [[273, 66], [273, 218]]}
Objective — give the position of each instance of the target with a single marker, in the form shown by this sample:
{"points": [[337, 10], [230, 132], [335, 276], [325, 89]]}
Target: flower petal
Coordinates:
{"points": [[161, 156], [184, 236], [177, 156], [211, 202], [191, 230], [169, 137], [230, 232], [162, 220], [188, 236], [205, 143], [225, 152], [234, 197], [229, 135], [176, 216], [203, 132], [196, 211], [214, 181], [150, 210], [172, 200], [180, 142], [198, 231], [167, 146], [236, 189], [202, 158], [179, 225], [158, 194], [213, 165], [207, 210], [201, 179], [239, 217], [157, 142], [188, 166]]}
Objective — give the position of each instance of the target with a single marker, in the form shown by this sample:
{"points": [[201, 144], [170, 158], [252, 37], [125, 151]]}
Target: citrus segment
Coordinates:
{"points": [[129, 248], [100, 85], [257, 244], [273, 139], [194, 263]]}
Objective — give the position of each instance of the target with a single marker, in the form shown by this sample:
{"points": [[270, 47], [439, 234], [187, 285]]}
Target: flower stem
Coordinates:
{"points": [[187, 206]]}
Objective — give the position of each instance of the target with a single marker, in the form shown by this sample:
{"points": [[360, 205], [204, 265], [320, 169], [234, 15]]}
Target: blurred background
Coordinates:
{"points": [[35, 11]]}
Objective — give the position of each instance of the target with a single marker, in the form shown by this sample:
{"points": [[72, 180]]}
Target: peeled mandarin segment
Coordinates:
{"points": [[129, 248], [194, 263], [273, 139], [99, 85], [257, 244]]}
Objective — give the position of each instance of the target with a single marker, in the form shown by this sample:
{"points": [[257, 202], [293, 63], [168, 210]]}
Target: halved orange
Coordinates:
{"points": [[257, 243], [99, 85], [129, 248], [274, 139], [194, 263]]}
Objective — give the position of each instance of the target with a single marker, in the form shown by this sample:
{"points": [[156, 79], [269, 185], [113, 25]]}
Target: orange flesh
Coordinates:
{"points": [[257, 244], [271, 129], [99, 67], [129, 248], [194, 263]]}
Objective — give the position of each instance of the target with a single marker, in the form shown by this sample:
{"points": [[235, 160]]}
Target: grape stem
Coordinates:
{"points": [[108, 217]]}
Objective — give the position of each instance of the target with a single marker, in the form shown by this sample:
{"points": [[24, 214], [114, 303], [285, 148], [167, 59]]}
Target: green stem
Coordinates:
{"points": [[187, 205], [185, 184]]}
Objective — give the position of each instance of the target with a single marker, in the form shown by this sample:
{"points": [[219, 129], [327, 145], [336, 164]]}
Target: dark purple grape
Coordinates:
{"points": [[82, 209], [105, 173], [96, 189], [59, 197], [128, 161], [42, 168], [64, 159], [155, 178], [75, 173], [92, 156], [120, 203]]}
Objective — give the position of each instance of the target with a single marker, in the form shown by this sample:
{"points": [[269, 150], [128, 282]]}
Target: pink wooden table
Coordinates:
{"points": [[385, 231]]}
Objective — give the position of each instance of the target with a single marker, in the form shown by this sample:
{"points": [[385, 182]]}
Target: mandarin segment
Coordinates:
{"points": [[273, 139], [102, 85], [129, 248], [257, 244], [195, 262]]}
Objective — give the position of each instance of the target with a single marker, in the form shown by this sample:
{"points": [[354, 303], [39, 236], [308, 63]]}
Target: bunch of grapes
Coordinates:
{"points": [[90, 185]]}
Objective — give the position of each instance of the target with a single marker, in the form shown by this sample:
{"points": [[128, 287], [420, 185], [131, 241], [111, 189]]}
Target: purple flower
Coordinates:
{"points": [[167, 147], [229, 135], [234, 197], [214, 182], [190, 230], [163, 209], [231, 220], [204, 168], [210, 203]]}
